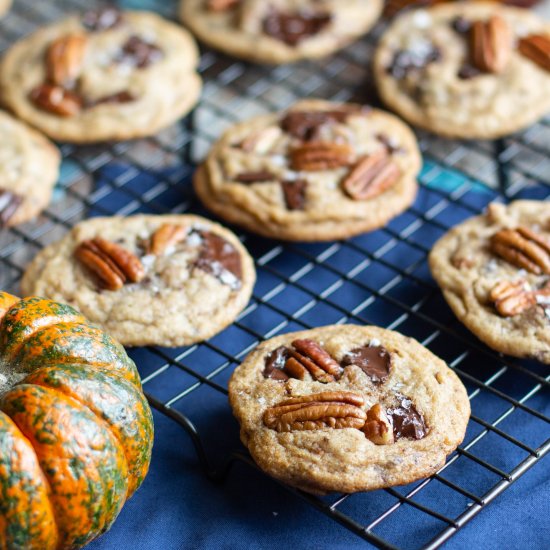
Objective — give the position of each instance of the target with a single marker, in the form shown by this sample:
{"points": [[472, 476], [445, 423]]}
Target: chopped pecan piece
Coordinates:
{"points": [[317, 155], [514, 297], [221, 5], [371, 176], [261, 141], [56, 100], [536, 47], [166, 236], [294, 193], [523, 248], [337, 410], [491, 44], [64, 59], [292, 28], [306, 358], [378, 427], [9, 203], [112, 264]]}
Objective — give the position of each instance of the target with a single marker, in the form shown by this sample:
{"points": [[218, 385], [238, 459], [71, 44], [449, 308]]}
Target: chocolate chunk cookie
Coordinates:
{"points": [[348, 408], [319, 171], [148, 280], [104, 75], [29, 167], [4, 6], [469, 70], [279, 31], [494, 271]]}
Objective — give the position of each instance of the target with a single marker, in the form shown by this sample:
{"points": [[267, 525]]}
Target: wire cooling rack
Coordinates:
{"points": [[381, 278]]}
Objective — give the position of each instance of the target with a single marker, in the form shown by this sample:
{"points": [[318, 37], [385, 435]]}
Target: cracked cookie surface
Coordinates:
{"points": [[318, 171], [371, 409], [279, 31], [495, 277], [169, 280], [472, 70], [29, 167], [100, 76]]}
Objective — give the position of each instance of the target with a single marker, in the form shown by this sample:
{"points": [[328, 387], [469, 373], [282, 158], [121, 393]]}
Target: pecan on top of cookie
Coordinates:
{"points": [[306, 360]]}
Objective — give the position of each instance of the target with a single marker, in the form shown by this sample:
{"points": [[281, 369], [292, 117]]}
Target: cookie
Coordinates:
{"points": [[319, 171], [494, 271], [279, 31], [467, 70], [347, 408], [168, 280], [29, 168], [105, 75], [4, 6]]}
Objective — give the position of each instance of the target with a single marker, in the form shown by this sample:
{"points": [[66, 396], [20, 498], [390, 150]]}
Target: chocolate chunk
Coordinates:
{"points": [[219, 258], [374, 361], [9, 203], [461, 25], [390, 144], [304, 125], [468, 71], [407, 421], [120, 97], [295, 194], [405, 61], [139, 53], [275, 364], [254, 177], [103, 19], [292, 28]]}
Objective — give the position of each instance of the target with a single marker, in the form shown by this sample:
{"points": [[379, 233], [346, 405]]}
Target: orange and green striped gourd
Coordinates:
{"points": [[76, 431]]}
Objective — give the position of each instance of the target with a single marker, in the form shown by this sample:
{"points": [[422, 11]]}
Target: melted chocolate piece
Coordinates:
{"points": [[461, 25], [405, 61], [102, 19], [120, 97], [304, 125], [407, 421], [219, 258], [292, 28], [255, 177], [139, 53], [9, 203], [275, 364], [295, 194], [374, 361]]}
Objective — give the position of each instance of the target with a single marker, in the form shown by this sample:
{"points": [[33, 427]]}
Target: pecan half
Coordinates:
{"points": [[317, 155], [371, 176], [514, 297], [338, 409], [56, 100], [221, 5], [378, 427], [166, 236], [491, 43], [64, 59], [523, 248], [536, 47], [112, 264], [305, 358]]}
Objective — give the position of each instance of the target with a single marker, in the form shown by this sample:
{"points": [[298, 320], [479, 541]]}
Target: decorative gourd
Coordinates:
{"points": [[76, 431]]}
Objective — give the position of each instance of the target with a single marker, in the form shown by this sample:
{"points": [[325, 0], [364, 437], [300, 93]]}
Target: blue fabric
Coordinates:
{"points": [[178, 507]]}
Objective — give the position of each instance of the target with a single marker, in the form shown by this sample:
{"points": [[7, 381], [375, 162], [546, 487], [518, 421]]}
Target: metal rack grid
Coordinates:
{"points": [[380, 278]]}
